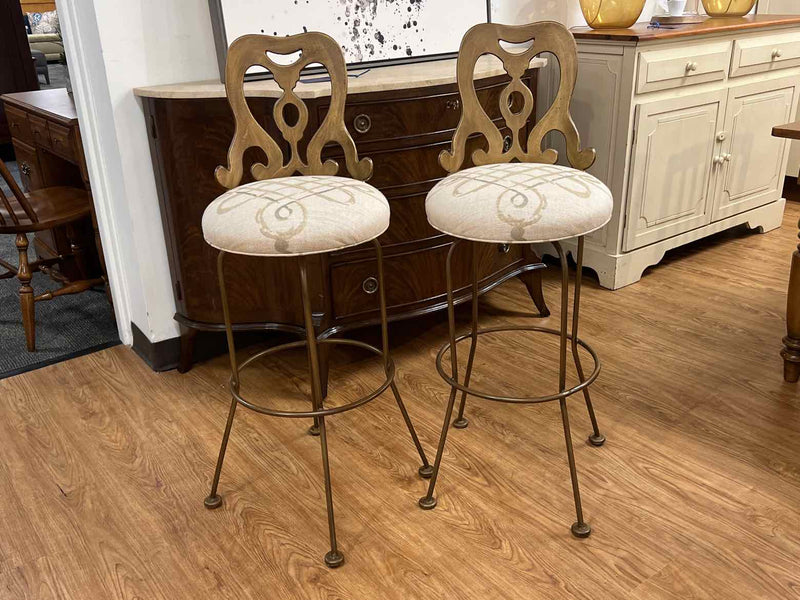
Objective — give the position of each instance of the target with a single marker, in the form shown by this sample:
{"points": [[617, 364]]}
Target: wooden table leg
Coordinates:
{"points": [[791, 343]]}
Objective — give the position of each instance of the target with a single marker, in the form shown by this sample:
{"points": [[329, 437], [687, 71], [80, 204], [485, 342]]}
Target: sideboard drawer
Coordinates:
{"points": [[397, 169], [678, 67], [28, 164], [765, 53], [410, 117], [39, 131], [18, 124], [62, 140], [408, 277]]}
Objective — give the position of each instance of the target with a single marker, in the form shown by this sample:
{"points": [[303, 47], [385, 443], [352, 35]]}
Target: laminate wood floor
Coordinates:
{"points": [[696, 494]]}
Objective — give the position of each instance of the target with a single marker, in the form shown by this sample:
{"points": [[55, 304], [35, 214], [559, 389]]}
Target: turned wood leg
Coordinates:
{"points": [[26, 301], [791, 343], [188, 335], [533, 281], [77, 252]]}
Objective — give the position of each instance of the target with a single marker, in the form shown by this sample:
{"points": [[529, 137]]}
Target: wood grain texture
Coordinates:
{"points": [[642, 33], [696, 494]]}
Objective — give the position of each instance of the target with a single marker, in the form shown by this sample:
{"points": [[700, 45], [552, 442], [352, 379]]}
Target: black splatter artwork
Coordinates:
{"points": [[369, 39]]}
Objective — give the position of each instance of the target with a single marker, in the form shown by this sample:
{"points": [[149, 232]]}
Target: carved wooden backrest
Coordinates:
{"points": [[250, 50], [485, 38], [16, 195]]}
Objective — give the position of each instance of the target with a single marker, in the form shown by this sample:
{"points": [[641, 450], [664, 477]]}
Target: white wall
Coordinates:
{"points": [[564, 11], [119, 45]]}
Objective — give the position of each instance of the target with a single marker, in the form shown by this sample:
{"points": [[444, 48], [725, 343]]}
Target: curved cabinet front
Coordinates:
{"points": [[402, 130]]}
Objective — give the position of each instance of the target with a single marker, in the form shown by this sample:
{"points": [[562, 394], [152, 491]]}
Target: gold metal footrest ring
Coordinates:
{"points": [[323, 412], [534, 400]]}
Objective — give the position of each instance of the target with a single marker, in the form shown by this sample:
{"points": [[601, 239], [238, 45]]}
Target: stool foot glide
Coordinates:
{"points": [[516, 194], [294, 217]]}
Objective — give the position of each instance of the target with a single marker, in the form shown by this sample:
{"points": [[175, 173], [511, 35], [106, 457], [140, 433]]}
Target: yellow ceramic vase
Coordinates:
{"points": [[609, 14], [728, 8]]}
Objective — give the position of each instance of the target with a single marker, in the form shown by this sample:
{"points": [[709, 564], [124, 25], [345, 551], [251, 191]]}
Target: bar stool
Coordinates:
{"points": [[295, 218], [517, 195]]}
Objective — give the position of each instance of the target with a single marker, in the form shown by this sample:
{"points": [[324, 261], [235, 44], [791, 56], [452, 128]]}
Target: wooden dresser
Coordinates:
{"points": [[401, 117], [49, 152]]}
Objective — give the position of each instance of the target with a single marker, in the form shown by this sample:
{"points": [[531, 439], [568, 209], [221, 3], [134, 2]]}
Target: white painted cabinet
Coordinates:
{"points": [[751, 162], [671, 182], [682, 128]]}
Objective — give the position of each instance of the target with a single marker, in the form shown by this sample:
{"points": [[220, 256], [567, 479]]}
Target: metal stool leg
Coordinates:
{"points": [[461, 422], [428, 501], [579, 528], [426, 470], [334, 558], [214, 500], [595, 438]]}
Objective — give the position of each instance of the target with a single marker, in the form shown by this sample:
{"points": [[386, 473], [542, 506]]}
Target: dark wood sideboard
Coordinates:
{"points": [[49, 151], [402, 131]]}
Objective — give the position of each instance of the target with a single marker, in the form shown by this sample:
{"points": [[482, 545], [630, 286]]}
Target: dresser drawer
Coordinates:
{"points": [[408, 277], [39, 132], [678, 67], [28, 163], [18, 124], [62, 140], [410, 117], [765, 53], [397, 169], [408, 222]]}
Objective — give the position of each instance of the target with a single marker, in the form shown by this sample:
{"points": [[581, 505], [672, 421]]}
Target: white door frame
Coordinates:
{"points": [[84, 57]]}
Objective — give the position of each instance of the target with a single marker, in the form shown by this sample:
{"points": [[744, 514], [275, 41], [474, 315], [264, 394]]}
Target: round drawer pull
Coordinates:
{"points": [[362, 123], [691, 66], [503, 248], [777, 53], [370, 285], [507, 141], [453, 104]]}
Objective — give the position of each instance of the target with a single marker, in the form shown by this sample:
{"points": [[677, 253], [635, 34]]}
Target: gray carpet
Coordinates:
{"points": [[58, 77], [66, 327]]}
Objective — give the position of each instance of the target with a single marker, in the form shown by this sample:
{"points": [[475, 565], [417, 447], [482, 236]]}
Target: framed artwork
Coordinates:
{"points": [[371, 32]]}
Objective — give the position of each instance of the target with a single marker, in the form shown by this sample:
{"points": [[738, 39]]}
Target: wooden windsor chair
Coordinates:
{"points": [[46, 208]]}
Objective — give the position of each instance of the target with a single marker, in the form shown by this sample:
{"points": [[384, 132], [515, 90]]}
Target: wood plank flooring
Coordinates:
{"points": [[104, 464]]}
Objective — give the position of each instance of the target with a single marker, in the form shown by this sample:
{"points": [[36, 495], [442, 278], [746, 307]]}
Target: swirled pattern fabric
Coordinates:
{"points": [[295, 216], [519, 203]]}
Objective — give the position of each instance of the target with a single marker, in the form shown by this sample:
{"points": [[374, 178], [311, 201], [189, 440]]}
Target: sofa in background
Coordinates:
{"points": [[44, 34]]}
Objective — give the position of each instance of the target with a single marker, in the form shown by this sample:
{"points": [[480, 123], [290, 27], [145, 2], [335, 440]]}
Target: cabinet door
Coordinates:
{"points": [[671, 169], [754, 161]]}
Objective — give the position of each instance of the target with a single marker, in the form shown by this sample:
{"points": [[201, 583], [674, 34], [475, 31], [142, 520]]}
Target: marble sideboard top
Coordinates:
{"points": [[378, 79]]}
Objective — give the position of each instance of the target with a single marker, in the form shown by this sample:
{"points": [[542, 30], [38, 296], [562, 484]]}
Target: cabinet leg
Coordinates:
{"points": [[533, 281], [791, 343], [188, 335]]}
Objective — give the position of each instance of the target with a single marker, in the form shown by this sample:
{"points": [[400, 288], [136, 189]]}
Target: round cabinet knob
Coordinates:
{"points": [[727, 157], [691, 66], [362, 123], [507, 141], [503, 248], [718, 160], [777, 53], [721, 137], [370, 285], [25, 169]]}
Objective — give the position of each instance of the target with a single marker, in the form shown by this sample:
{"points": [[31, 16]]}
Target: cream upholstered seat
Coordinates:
{"points": [[519, 202], [295, 216]]}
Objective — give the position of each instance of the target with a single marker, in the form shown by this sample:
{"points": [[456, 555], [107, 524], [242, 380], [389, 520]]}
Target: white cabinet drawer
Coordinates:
{"points": [[765, 53], [678, 67]]}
